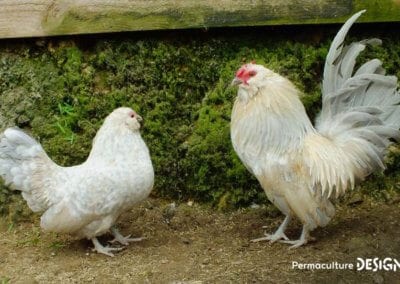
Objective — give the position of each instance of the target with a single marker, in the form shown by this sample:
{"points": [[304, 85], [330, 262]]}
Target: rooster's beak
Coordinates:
{"points": [[236, 81]]}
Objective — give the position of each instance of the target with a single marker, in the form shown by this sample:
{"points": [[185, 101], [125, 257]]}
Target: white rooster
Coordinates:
{"points": [[87, 199], [301, 166]]}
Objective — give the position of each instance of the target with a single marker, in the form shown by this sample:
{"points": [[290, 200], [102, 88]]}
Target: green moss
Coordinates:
{"points": [[61, 90], [387, 10]]}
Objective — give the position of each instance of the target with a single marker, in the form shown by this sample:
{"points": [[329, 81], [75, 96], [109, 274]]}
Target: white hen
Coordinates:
{"points": [[299, 166], [87, 199]]}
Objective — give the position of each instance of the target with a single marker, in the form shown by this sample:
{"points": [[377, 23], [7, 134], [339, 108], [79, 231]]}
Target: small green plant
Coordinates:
{"points": [[4, 280], [57, 245], [10, 227], [32, 238], [66, 121]]}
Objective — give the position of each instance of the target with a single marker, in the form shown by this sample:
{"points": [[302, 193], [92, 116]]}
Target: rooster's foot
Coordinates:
{"points": [[304, 239], [295, 244], [123, 240], [272, 238], [98, 247], [278, 235]]}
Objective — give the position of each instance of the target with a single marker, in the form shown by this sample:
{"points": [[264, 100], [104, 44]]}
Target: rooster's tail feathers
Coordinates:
{"points": [[346, 90], [360, 108], [25, 166]]}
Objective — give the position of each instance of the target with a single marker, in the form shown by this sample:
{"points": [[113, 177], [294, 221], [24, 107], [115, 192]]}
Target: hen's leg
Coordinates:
{"points": [[98, 247], [304, 238], [279, 234], [121, 239]]}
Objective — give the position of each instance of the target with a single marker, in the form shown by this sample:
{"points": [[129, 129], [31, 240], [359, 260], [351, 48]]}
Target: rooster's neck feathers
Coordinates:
{"points": [[270, 124], [275, 111]]}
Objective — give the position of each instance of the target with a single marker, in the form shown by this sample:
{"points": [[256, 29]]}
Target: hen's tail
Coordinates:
{"points": [[26, 167], [360, 108]]}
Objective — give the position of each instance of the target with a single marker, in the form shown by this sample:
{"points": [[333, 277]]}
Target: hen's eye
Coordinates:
{"points": [[132, 115], [252, 73]]}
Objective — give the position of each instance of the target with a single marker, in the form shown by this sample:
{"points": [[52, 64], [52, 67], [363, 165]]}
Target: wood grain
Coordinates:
{"points": [[31, 18]]}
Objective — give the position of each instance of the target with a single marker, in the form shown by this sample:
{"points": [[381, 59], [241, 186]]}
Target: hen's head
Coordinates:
{"points": [[125, 117]]}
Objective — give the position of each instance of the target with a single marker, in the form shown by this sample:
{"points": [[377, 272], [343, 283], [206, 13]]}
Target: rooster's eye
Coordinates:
{"points": [[252, 73]]}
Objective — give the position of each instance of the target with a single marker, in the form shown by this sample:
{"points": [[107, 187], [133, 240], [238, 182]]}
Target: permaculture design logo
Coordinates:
{"points": [[375, 264], [370, 264]]}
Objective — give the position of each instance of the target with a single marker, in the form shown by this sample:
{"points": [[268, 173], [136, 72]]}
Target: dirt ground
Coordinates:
{"points": [[196, 244]]}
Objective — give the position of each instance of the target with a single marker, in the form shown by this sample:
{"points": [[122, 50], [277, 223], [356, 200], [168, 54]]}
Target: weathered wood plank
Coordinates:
{"points": [[27, 18]]}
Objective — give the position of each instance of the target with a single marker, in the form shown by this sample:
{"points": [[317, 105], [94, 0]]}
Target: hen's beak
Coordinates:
{"points": [[139, 118], [236, 81]]}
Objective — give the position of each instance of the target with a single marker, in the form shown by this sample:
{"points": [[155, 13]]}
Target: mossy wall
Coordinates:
{"points": [[61, 89]]}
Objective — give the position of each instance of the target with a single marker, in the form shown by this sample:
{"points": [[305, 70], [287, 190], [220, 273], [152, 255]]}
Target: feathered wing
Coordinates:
{"points": [[82, 201], [25, 166], [360, 114]]}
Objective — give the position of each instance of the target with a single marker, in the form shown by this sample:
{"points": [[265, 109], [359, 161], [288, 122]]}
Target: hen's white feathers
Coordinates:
{"points": [[86, 199], [25, 166]]}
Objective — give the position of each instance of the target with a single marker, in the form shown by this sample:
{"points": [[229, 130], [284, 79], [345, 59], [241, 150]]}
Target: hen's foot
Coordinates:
{"points": [[304, 239], [123, 240], [278, 235], [98, 247]]}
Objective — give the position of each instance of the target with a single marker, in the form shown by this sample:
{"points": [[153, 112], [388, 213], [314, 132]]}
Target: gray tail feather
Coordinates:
{"points": [[358, 105]]}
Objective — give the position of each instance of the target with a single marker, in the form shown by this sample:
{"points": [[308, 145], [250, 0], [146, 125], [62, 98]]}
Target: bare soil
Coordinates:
{"points": [[196, 244]]}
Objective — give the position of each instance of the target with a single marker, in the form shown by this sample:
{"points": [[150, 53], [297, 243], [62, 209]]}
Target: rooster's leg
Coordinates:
{"points": [[98, 247], [278, 235], [304, 238], [121, 239]]}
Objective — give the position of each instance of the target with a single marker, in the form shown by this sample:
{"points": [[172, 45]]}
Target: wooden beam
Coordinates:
{"points": [[31, 18]]}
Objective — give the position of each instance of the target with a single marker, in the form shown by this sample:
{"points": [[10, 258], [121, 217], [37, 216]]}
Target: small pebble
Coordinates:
{"points": [[254, 206], [378, 279]]}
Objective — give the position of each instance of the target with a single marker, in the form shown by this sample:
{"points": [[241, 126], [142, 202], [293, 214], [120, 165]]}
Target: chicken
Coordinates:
{"points": [[302, 167], [87, 199]]}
